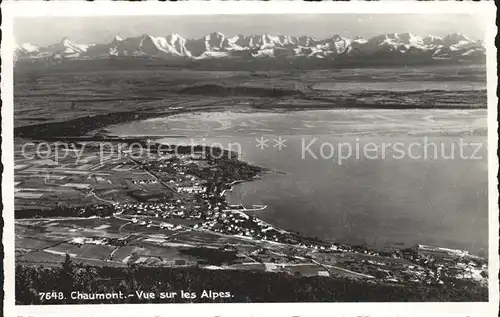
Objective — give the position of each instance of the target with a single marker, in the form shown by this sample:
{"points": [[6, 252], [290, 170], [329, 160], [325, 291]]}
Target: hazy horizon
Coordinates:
{"points": [[90, 30]]}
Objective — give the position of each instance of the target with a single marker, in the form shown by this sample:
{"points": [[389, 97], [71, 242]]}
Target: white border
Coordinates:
{"points": [[34, 9], [80, 8]]}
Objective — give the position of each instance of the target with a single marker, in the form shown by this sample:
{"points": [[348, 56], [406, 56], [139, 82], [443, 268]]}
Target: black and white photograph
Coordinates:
{"points": [[323, 157]]}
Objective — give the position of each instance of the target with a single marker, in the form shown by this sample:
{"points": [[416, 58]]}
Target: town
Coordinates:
{"points": [[169, 208]]}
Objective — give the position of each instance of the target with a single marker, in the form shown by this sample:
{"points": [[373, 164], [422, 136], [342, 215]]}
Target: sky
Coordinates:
{"points": [[92, 30]]}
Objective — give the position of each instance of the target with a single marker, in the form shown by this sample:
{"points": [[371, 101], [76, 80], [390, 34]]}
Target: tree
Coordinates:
{"points": [[68, 265], [25, 293], [67, 275]]}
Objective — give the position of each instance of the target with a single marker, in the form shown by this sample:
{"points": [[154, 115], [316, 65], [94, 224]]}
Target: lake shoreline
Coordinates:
{"points": [[259, 163]]}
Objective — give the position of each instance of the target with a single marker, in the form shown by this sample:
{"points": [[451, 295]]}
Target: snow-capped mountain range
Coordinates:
{"points": [[218, 46]]}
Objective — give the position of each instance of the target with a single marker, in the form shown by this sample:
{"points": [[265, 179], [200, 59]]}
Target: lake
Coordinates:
{"points": [[380, 177]]}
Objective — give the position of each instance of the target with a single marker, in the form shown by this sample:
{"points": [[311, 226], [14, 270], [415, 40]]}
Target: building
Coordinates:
{"points": [[191, 189], [180, 262]]}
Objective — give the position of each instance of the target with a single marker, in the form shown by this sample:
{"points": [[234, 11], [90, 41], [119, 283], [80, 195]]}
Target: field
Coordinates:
{"points": [[77, 176], [109, 97], [105, 241]]}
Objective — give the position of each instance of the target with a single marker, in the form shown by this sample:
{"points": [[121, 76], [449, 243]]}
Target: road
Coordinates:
{"points": [[85, 258], [98, 198], [327, 267]]}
